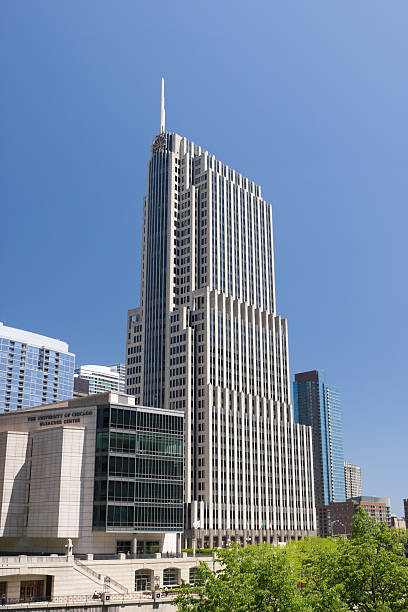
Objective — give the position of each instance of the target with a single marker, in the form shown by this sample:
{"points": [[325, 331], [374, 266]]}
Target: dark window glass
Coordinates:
{"points": [[101, 465], [121, 466], [102, 441], [102, 419], [120, 516], [122, 442], [99, 516], [121, 491], [100, 487]]}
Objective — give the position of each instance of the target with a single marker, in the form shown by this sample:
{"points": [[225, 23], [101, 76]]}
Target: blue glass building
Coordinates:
{"points": [[318, 404], [34, 369]]}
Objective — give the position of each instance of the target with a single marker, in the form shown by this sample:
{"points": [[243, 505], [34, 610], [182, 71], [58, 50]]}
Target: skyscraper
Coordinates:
{"points": [[34, 369], [318, 404], [103, 378], [206, 339], [352, 477]]}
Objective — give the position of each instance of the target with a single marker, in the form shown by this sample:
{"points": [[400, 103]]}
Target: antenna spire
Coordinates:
{"points": [[162, 111]]}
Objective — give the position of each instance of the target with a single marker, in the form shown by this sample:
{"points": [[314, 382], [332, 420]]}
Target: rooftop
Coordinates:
{"points": [[96, 399], [27, 337]]}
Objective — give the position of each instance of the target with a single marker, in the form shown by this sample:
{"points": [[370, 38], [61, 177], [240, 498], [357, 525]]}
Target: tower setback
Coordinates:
{"points": [[206, 339]]}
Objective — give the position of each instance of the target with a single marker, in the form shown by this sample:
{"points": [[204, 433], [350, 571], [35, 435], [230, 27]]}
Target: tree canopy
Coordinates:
{"points": [[366, 573]]}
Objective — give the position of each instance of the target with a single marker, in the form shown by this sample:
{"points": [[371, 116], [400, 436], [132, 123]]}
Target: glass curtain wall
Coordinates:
{"points": [[138, 470]]}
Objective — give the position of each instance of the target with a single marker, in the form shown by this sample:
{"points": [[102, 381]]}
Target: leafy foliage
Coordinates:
{"points": [[254, 578], [367, 573], [373, 569]]}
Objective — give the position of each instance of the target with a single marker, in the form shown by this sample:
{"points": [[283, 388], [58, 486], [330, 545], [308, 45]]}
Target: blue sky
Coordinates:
{"points": [[309, 99]]}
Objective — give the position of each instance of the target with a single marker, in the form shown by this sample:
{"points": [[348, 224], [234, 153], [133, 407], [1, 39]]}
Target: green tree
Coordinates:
{"points": [[366, 573], [252, 579], [372, 569], [317, 562]]}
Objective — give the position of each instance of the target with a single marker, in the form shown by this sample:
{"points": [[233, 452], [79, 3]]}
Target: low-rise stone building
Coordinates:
{"points": [[98, 470]]}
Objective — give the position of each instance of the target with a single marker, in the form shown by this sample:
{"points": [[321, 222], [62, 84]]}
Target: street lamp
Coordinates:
{"points": [[156, 587], [106, 584]]}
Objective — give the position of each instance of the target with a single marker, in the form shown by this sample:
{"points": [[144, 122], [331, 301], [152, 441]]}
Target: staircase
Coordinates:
{"points": [[99, 579]]}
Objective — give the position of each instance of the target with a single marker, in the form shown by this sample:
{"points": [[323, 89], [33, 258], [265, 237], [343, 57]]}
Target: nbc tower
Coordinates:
{"points": [[207, 339]]}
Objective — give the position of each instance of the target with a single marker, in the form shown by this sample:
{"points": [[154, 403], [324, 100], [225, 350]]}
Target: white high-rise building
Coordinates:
{"points": [[206, 339], [103, 378], [352, 478]]}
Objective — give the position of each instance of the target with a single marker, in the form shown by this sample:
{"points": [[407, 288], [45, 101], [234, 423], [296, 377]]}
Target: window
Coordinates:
{"points": [[170, 576], [123, 546], [143, 580], [122, 442], [194, 576]]}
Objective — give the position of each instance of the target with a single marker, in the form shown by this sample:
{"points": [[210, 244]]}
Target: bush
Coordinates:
{"points": [[202, 551]]}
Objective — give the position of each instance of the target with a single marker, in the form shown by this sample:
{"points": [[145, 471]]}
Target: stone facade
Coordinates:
{"points": [[47, 473], [70, 577], [207, 340]]}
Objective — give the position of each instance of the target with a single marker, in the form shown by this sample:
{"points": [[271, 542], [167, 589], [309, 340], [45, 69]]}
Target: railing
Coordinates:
{"points": [[137, 597], [5, 561], [30, 560], [54, 558], [48, 559], [18, 600], [100, 557], [99, 577], [117, 585], [88, 570], [28, 554]]}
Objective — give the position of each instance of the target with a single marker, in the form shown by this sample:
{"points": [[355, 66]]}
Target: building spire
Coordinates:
{"points": [[162, 111]]}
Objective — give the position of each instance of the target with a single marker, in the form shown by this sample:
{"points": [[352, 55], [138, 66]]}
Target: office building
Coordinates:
{"points": [[318, 404], [378, 508], [110, 472], [34, 369], [120, 368], [352, 479], [207, 340], [103, 378], [339, 516], [398, 523], [81, 387], [405, 501]]}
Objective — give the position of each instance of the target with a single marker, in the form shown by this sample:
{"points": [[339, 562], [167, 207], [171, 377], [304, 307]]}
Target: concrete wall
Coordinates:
{"points": [[13, 482], [94, 542], [45, 483], [55, 488], [71, 578], [71, 482]]}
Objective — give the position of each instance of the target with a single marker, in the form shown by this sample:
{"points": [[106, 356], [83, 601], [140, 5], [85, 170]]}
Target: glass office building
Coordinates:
{"points": [[318, 404], [34, 369], [138, 469]]}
